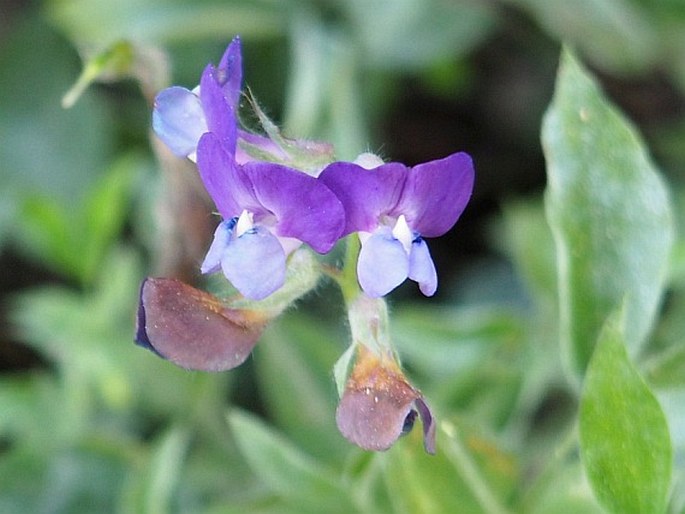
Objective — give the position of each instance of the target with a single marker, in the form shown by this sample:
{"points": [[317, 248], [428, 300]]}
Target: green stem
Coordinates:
{"points": [[566, 446], [470, 474], [347, 280]]}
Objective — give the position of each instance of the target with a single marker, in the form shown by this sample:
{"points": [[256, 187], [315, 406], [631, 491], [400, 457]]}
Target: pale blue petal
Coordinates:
{"points": [[383, 264], [179, 120], [255, 263], [421, 267], [222, 238]]}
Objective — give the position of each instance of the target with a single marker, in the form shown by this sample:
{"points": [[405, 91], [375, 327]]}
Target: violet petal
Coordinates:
{"points": [[383, 264], [222, 238], [422, 268], [305, 208], [193, 329], [230, 72], [224, 180], [178, 120], [255, 263], [365, 194], [436, 193], [221, 118]]}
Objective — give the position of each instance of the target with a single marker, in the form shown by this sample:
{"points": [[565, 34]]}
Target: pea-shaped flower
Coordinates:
{"points": [[180, 116], [268, 210], [393, 207]]}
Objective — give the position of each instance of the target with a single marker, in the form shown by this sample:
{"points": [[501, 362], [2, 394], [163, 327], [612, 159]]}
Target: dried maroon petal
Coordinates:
{"points": [[193, 329], [379, 405]]}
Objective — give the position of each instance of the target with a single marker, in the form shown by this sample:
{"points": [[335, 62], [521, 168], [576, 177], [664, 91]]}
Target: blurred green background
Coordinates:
{"points": [[91, 423]]}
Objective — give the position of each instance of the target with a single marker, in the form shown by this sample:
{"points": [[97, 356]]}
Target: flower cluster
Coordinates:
{"points": [[275, 197]]}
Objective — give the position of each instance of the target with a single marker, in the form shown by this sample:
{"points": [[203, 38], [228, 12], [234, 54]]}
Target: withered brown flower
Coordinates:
{"points": [[379, 404], [194, 329]]}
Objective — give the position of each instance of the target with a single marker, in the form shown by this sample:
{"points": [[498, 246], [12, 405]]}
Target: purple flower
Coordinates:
{"points": [[393, 207], [268, 211], [379, 405], [194, 329], [181, 116]]}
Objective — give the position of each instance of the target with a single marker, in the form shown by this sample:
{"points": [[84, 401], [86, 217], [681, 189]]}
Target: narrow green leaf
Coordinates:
{"points": [[609, 212], [78, 480], [411, 34], [45, 149], [467, 474], [452, 340], [284, 468], [99, 22], [293, 363], [668, 368], [165, 470], [159, 477], [53, 231], [365, 474], [565, 492], [105, 211], [618, 35], [624, 439], [529, 243], [26, 400], [468, 358], [46, 234]]}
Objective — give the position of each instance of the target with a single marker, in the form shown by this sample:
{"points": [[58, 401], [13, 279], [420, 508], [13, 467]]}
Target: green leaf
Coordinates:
{"points": [[668, 368], [467, 474], [154, 487], [78, 480], [469, 359], [410, 34], [293, 362], [565, 492], [105, 212], [452, 340], [609, 212], [26, 400], [624, 439], [100, 23], [365, 474], [89, 337], [46, 149], [53, 231], [530, 244], [46, 233], [284, 468], [615, 34]]}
